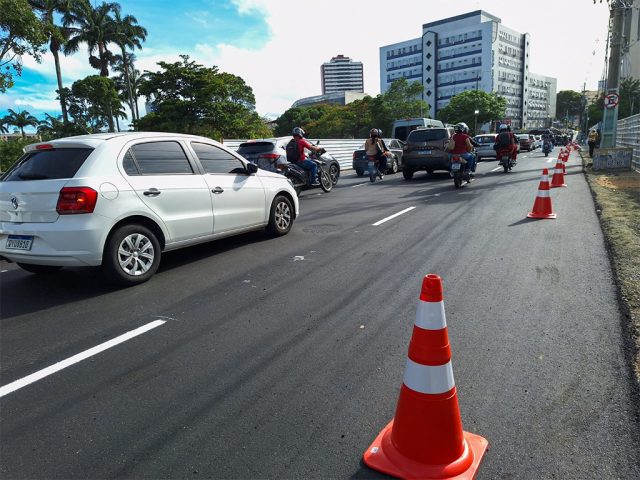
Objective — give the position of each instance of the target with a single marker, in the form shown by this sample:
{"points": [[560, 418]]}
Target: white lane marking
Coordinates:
{"points": [[358, 185], [2, 271], [56, 367], [551, 159], [496, 169], [393, 216]]}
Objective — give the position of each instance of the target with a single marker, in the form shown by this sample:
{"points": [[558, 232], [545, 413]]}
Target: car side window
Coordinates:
{"points": [[157, 158], [217, 160]]}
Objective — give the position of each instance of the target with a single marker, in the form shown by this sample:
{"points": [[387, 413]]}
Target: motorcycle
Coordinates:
{"points": [[461, 175], [504, 159], [299, 176], [546, 148]]}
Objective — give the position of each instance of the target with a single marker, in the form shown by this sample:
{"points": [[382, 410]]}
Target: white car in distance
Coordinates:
{"points": [[121, 199]]}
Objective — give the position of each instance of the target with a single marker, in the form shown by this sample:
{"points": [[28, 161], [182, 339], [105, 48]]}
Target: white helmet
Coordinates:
{"points": [[502, 128]]}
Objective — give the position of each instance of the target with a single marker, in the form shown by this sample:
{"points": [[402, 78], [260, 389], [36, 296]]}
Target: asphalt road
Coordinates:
{"points": [[283, 358]]}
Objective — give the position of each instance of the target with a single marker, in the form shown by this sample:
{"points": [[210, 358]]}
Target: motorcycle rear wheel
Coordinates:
{"points": [[506, 168], [457, 180], [325, 181]]}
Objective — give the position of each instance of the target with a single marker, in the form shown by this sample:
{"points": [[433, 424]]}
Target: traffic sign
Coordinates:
{"points": [[611, 100]]}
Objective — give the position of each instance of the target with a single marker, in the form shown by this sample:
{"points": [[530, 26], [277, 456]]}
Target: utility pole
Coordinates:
{"points": [[610, 117]]}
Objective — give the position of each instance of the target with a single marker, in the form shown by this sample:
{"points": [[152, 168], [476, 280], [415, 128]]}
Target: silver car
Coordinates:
{"points": [[121, 199], [485, 148]]}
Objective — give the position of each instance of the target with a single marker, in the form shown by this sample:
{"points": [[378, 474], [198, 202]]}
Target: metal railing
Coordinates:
{"points": [[341, 149], [628, 136]]}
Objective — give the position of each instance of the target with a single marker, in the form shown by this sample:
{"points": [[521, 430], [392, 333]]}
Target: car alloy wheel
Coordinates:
{"points": [[136, 254], [131, 255], [281, 217]]}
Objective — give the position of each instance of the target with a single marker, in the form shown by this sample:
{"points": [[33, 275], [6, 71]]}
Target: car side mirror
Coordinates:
{"points": [[251, 168]]}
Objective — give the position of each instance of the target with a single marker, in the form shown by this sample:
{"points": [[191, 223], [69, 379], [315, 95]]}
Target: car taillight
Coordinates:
{"points": [[44, 146], [75, 200], [269, 156]]}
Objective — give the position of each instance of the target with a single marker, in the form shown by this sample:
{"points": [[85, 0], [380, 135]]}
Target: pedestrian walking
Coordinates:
{"points": [[592, 140]]}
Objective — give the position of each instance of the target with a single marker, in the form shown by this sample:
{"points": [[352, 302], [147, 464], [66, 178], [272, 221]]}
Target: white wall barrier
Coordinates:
{"points": [[341, 149], [628, 136]]}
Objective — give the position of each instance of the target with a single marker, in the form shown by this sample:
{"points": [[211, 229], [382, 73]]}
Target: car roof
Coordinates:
{"points": [[96, 139]]}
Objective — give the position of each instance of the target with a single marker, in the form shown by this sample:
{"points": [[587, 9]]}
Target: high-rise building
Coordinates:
{"points": [[342, 74], [472, 51]]}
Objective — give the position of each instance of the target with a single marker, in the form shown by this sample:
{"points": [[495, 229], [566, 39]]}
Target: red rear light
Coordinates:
{"points": [[269, 156], [75, 200], [44, 146]]}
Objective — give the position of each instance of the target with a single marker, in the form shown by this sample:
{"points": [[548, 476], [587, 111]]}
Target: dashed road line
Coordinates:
{"points": [[393, 216], [56, 367]]}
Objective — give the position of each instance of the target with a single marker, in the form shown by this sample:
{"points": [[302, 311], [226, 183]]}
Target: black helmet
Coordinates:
{"points": [[374, 132], [298, 131]]}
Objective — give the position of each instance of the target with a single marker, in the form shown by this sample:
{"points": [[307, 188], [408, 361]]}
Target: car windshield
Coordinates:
{"points": [[427, 135], [255, 147], [47, 164], [523, 137], [483, 140]]}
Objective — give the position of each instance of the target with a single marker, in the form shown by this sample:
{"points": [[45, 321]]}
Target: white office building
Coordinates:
{"points": [[466, 52], [342, 74]]}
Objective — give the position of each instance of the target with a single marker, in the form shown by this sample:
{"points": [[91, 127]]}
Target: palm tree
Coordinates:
{"points": [[21, 120], [128, 34], [96, 28], [4, 125], [51, 127], [57, 37]]}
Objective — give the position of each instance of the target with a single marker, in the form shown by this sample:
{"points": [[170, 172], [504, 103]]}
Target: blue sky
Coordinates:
{"points": [[258, 39]]}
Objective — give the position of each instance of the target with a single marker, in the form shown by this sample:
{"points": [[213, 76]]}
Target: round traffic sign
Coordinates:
{"points": [[611, 100]]}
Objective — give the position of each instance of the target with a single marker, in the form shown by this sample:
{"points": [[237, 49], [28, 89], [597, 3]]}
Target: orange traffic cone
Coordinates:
{"points": [[542, 204], [425, 439], [558, 175]]}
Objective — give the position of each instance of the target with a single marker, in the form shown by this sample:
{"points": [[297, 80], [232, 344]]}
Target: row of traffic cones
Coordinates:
{"points": [[542, 204]]}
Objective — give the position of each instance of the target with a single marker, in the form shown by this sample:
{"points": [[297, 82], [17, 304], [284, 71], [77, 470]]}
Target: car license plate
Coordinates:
{"points": [[19, 242], [455, 166], [424, 152]]}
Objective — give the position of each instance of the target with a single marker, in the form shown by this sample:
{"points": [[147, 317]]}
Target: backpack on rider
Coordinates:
{"points": [[293, 154]]}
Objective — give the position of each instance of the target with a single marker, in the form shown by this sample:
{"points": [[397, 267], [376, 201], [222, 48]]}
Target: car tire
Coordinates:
{"points": [[280, 216], [39, 269], [360, 173], [407, 174], [394, 166], [479, 159], [121, 257], [334, 173], [429, 171]]}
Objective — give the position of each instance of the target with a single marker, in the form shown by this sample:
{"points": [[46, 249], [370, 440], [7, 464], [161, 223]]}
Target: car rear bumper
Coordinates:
{"points": [[425, 163], [80, 243]]}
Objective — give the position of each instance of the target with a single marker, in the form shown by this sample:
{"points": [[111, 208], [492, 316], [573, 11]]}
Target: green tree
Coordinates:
{"points": [[401, 100], [53, 127], [57, 37], [21, 33], [21, 119], [11, 151], [568, 103], [462, 107], [189, 98], [299, 117], [96, 28], [629, 97], [93, 102], [128, 35]]}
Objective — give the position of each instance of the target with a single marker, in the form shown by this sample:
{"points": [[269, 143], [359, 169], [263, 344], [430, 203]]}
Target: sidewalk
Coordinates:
{"points": [[617, 198]]}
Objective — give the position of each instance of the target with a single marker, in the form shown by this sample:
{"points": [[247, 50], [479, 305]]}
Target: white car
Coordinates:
{"points": [[120, 199]]}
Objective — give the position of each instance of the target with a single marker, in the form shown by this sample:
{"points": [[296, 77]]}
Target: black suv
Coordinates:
{"points": [[425, 150]]}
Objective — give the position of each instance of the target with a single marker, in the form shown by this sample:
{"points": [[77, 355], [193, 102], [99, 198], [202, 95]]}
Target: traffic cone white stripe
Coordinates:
{"points": [[430, 316], [545, 178], [428, 379], [543, 193]]}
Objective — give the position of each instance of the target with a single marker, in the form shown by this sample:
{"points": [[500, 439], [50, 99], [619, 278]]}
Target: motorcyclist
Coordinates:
{"points": [[462, 146], [506, 141], [308, 165], [376, 150]]}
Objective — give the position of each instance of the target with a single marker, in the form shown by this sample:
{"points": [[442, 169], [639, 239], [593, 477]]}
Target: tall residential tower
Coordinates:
{"points": [[342, 74]]}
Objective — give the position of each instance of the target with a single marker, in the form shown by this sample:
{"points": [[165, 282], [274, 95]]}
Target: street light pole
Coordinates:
{"points": [[475, 123]]}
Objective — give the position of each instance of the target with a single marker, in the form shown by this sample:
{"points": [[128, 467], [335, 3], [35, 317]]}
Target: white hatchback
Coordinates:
{"points": [[120, 199]]}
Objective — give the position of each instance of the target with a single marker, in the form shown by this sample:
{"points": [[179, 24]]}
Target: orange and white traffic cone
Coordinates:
{"points": [[425, 439], [558, 175], [542, 204]]}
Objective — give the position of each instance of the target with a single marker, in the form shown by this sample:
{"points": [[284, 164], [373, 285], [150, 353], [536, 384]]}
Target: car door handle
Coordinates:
{"points": [[217, 190], [152, 192]]}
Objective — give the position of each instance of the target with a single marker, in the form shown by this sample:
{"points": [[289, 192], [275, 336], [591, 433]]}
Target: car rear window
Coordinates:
{"points": [[47, 164], [483, 140], [255, 147], [427, 135]]}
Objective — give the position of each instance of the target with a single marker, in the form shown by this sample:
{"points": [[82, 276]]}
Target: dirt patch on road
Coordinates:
{"points": [[617, 198]]}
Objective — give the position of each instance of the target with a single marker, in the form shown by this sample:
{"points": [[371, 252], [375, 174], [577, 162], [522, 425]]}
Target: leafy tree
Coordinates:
{"points": [[596, 110], [21, 33], [11, 151], [402, 100], [568, 103], [128, 34], [462, 108], [629, 97], [93, 102], [4, 125], [96, 28], [57, 37], [299, 117], [189, 98], [21, 119]]}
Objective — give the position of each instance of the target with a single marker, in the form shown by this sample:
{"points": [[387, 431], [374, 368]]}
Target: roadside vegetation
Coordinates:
{"points": [[617, 198]]}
